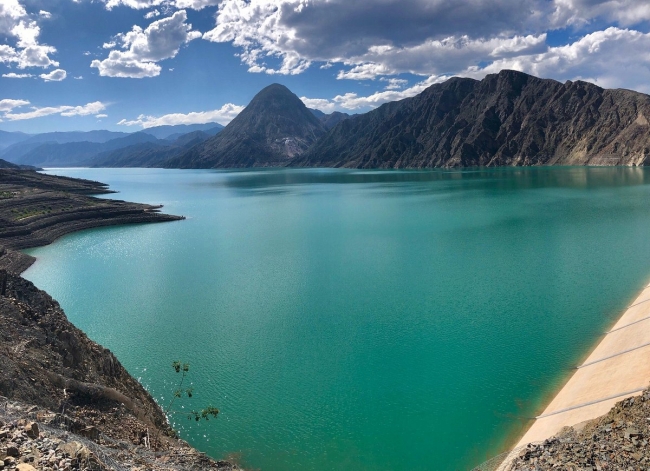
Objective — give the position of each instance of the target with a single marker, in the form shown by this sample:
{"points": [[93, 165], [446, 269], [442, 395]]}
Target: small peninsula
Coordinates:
{"points": [[36, 209]]}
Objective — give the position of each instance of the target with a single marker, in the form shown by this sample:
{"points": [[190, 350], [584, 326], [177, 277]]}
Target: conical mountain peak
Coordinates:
{"points": [[274, 128]]}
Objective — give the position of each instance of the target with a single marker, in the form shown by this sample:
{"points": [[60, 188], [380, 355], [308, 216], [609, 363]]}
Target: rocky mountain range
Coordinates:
{"points": [[509, 118], [506, 119]]}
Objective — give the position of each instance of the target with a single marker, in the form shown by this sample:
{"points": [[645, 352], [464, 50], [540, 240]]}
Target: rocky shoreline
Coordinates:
{"points": [[619, 440], [66, 403]]}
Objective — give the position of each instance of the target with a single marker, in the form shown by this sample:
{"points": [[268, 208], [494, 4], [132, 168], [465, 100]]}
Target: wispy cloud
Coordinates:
{"points": [[16, 76], [7, 107], [223, 115]]}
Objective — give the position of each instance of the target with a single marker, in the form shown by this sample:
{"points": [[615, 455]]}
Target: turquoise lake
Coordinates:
{"points": [[370, 320]]}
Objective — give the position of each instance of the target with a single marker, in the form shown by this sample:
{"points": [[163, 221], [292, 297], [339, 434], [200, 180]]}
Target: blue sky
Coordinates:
{"points": [[130, 64]]}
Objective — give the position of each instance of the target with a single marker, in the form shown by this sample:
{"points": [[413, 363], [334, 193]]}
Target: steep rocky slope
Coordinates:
{"points": [[67, 403], [509, 118], [43, 353], [274, 128]]}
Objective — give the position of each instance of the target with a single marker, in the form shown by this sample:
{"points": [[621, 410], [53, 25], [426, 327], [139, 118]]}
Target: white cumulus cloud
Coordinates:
{"points": [[601, 57], [143, 48], [354, 102], [143, 4], [300, 32], [611, 58], [17, 25], [55, 76], [434, 37], [195, 4], [394, 83], [223, 115], [8, 104], [581, 12], [137, 4]]}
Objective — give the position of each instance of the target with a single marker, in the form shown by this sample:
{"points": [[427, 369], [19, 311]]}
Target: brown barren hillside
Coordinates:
{"points": [[509, 118]]}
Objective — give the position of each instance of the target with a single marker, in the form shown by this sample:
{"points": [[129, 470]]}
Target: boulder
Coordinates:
{"points": [[31, 429]]}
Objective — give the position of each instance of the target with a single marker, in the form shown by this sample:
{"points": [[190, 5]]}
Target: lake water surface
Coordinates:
{"points": [[370, 320]]}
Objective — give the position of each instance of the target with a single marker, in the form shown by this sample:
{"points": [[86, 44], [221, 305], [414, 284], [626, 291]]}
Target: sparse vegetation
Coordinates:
{"points": [[181, 391], [28, 212]]}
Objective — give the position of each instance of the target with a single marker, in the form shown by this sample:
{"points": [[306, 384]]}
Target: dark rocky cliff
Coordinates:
{"points": [[509, 118], [274, 128], [42, 354], [63, 387]]}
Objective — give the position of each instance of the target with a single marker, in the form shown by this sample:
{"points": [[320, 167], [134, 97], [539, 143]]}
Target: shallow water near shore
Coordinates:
{"points": [[344, 319]]}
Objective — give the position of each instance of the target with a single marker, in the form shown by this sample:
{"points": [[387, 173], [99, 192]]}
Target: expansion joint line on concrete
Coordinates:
{"points": [[590, 403], [612, 356], [640, 302], [627, 325]]}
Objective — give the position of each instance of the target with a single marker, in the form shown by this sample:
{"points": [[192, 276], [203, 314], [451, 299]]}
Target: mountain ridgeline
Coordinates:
{"points": [[149, 147], [509, 118], [506, 119]]}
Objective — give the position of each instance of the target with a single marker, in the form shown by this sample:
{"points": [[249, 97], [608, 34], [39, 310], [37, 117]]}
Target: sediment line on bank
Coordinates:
{"points": [[37, 209]]}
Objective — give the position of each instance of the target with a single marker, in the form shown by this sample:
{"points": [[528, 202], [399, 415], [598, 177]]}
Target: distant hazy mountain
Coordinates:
{"points": [[509, 118], [76, 136], [70, 154], [149, 154], [318, 113], [14, 152], [9, 138], [329, 120], [45, 148], [146, 154], [275, 127], [172, 132]]}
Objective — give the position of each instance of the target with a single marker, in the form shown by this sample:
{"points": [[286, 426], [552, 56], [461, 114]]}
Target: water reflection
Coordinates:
{"points": [[503, 178]]}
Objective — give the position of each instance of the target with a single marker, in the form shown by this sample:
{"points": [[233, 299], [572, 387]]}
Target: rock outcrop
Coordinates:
{"points": [[48, 362], [509, 118]]}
